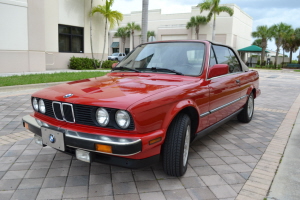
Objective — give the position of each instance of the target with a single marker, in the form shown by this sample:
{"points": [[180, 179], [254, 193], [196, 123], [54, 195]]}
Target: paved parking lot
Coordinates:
{"points": [[219, 163]]}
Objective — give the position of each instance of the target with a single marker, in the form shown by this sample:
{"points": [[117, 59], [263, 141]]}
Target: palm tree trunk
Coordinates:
{"points": [[214, 27], [145, 20], [276, 58], [132, 35], [197, 33], [262, 58], [91, 37], [282, 57], [291, 55], [104, 42]]}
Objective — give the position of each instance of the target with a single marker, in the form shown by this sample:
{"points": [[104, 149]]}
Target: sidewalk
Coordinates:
{"points": [[287, 180]]}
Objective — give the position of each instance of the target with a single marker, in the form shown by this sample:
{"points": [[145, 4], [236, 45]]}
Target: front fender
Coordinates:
{"points": [[177, 108]]}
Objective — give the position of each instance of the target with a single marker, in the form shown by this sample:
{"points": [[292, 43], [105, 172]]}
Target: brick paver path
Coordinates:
{"points": [[220, 164]]}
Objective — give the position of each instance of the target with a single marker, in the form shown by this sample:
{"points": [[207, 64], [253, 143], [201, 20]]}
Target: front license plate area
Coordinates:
{"points": [[52, 138]]}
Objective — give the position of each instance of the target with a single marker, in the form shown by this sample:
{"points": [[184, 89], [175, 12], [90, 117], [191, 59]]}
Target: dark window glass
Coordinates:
{"points": [[70, 39], [234, 64], [225, 55], [212, 61]]}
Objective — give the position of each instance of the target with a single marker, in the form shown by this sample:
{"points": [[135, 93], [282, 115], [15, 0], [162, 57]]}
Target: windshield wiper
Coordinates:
{"points": [[120, 68], [157, 69]]}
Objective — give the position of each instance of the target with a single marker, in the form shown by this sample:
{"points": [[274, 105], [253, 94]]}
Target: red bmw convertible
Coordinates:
{"points": [[161, 97]]}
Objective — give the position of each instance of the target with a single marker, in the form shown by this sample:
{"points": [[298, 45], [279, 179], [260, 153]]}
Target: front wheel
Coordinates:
{"points": [[176, 146], [247, 113]]}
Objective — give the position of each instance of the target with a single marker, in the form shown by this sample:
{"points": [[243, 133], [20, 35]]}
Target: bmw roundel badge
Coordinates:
{"points": [[51, 138], [68, 95]]}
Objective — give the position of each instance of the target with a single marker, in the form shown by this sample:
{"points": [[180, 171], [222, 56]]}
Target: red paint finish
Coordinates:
{"points": [[154, 99]]}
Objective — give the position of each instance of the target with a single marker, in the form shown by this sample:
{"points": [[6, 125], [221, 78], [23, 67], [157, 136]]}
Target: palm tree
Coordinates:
{"points": [[264, 33], [122, 33], [150, 33], [144, 21], [196, 22], [279, 32], [214, 9], [292, 43], [133, 27], [111, 16], [257, 42]]}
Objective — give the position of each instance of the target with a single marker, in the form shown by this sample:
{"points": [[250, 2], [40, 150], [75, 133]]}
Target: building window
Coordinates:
{"points": [[115, 50], [70, 39]]}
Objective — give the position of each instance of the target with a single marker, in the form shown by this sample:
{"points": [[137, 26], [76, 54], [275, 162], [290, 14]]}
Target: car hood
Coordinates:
{"points": [[115, 90]]}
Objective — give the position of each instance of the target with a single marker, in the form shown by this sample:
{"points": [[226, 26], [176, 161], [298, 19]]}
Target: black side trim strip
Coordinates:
{"points": [[216, 125]]}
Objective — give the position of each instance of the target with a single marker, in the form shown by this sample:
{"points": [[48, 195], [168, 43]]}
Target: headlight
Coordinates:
{"points": [[42, 107], [35, 104], [102, 116], [122, 118]]}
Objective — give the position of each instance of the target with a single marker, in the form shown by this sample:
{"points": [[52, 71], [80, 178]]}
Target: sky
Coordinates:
{"points": [[263, 12]]}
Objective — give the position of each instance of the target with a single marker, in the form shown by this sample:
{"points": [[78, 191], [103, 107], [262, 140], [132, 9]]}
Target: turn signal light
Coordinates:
{"points": [[154, 140], [103, 148]]}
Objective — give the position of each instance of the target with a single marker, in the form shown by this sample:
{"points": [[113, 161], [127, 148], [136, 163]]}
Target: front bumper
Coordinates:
{"points": [[121, 147]]}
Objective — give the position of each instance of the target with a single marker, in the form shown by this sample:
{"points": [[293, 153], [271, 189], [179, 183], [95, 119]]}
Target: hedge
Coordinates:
{"points": [[80, 63]]}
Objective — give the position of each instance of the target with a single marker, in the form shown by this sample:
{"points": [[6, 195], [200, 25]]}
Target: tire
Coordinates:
{"points": [[246, 114], [176, 146]]}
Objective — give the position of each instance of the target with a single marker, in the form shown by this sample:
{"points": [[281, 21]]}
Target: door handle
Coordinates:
{"points": [[237, 81]]}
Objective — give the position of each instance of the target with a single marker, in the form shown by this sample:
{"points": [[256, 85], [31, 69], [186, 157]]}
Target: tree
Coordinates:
{"points": [[292, 43], [257, 42], [133, 27], [214, 9], [144, 21], [111, 16], [122, 33], [264, 34], [149, 34], [279, 32], [196, 22]]}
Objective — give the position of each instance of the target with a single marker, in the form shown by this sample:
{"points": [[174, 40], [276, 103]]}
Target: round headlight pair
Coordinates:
{"points": [[39, 105], [122, 118]]}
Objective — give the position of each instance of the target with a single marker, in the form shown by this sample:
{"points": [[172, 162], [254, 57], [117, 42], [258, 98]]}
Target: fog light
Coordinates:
{"points": [[103, 148], [83, 155], [38, 140]]}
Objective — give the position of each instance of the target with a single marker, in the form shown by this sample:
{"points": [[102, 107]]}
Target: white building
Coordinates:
{"points": [[39, 35], [234, 31]]}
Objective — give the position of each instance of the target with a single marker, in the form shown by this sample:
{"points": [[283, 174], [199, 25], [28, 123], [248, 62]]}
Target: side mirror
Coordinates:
{"points": [[218, 70], [114, 65]]}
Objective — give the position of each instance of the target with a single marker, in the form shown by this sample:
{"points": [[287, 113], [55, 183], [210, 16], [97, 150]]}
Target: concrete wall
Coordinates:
{"points": [[29, 33]]}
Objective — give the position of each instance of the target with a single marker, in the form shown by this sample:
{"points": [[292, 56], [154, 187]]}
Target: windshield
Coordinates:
{"points": [[115, 54], [178, 57]]}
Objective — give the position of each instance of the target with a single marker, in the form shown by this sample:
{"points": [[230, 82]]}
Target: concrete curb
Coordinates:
{"points": [[28, 87], [260, 180]]}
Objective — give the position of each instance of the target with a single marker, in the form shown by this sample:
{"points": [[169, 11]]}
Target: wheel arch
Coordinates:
{"points": [[191, 111]]}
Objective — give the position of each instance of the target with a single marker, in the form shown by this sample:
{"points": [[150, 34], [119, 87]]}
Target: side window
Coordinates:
{"points": [[212, 60], [234, 64], [225, 55]]}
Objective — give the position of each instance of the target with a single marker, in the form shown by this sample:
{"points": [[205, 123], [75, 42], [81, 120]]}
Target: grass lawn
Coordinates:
{"points": [[47, 78], [263, 68], [297, 70]]}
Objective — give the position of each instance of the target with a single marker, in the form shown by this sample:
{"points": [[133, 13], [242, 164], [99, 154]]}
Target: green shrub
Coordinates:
{"points": [[108, 63], [258, 62], [82, 63]]}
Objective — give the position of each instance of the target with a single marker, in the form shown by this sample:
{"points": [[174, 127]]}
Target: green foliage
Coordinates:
{"points": [[47, 78], [214, 8], [113, 16], [108, 63], [82, 63], [294, 61]]}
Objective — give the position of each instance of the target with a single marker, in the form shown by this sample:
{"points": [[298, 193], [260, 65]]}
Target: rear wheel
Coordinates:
{"points": [[176, 146], [247, 113]]}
